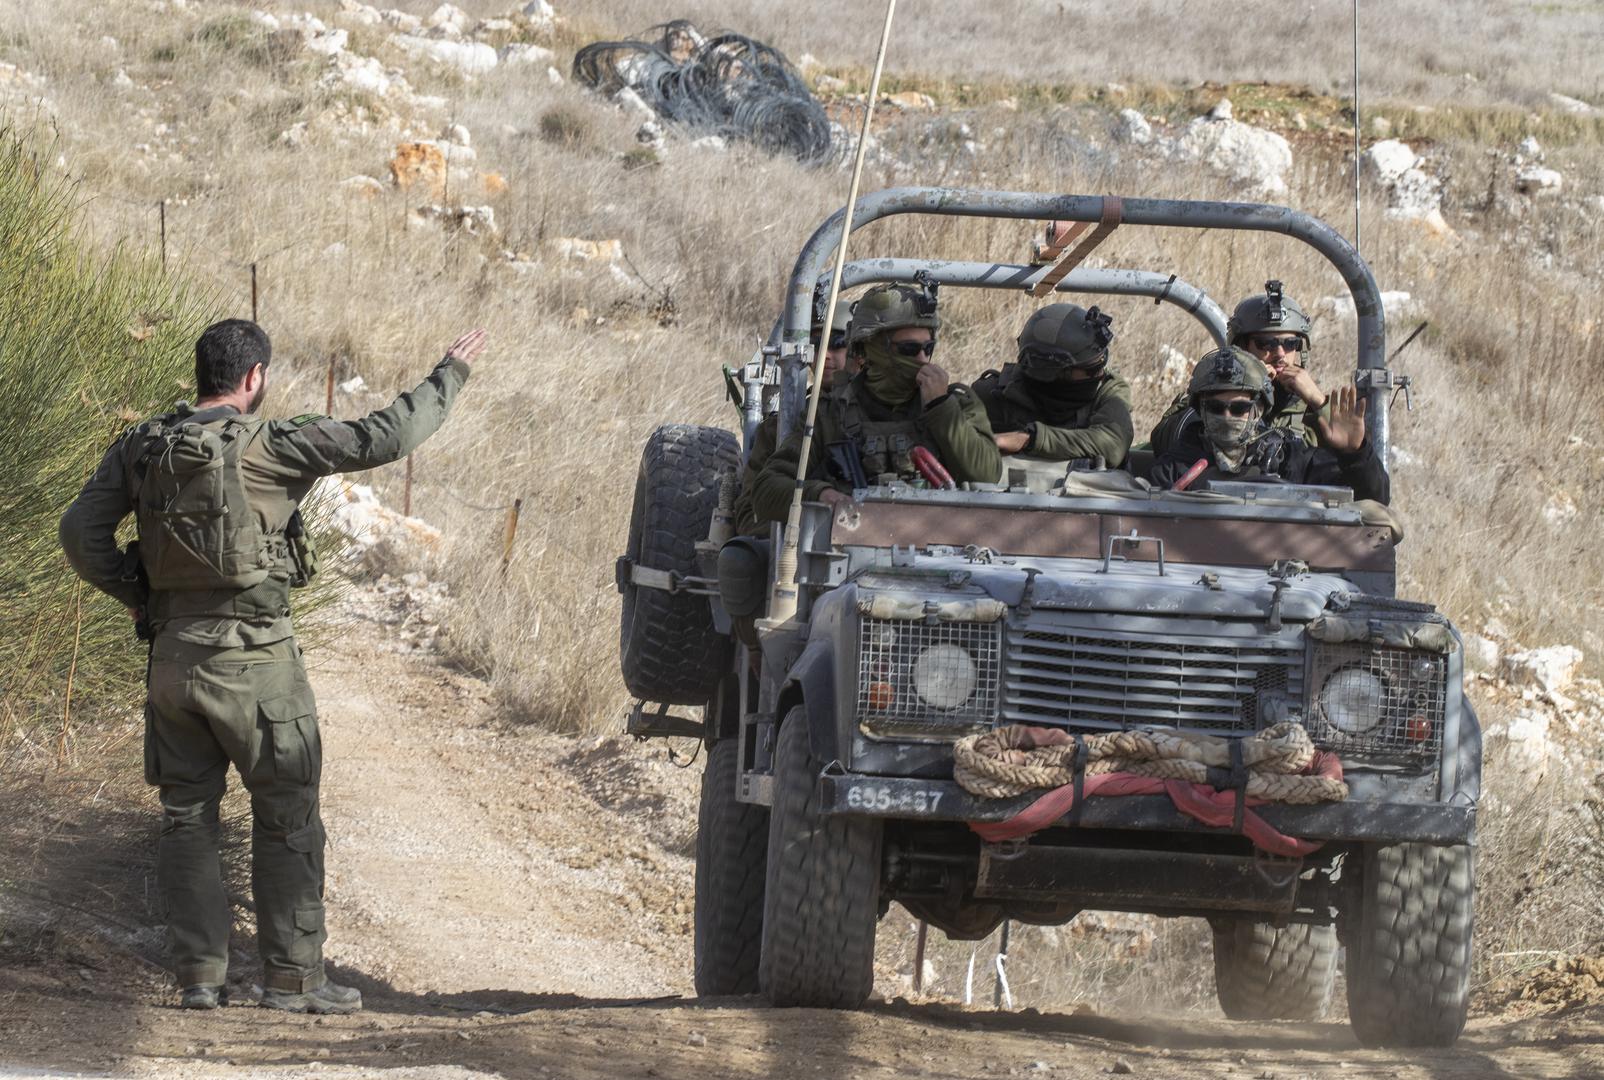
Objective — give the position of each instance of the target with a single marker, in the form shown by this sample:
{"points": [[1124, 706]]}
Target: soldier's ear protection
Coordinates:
{"points": [[1272, 295]]}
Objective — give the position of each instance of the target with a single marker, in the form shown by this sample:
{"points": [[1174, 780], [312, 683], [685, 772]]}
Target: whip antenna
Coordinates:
{"points": [[782, 606], [1356, 125]]}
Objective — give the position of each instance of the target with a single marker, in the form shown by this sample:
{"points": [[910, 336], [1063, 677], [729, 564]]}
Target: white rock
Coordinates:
{"points": [[1386, 161], [1550, 669], [650, 133], [1175, 368], [807, 62], [580, 250], [443, 32], [469, 58], [449, 15], [1483, 652], [352, 386], [710, 142], [1571, 105], [265, 20], [121, 79], [487, 27], [407, 24], [1381, 126], [308, 25], [632, 102], [329, 42], [366, 74], [1535, 180], [1527, 732], [1221, 111], [360, 13], [521, 52], [1133, 128], [1253, 157], [1560, 509], [474, 220], [1341, 307], [364, 521], [458, 134], [539, 12], [554, 76], [1530, 147]]}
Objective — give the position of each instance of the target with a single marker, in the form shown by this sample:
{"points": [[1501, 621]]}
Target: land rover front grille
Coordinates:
{"points": [[1098, 681]]}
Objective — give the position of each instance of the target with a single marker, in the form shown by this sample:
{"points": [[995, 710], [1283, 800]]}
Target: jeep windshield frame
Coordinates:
{"points": [[812, 264]]}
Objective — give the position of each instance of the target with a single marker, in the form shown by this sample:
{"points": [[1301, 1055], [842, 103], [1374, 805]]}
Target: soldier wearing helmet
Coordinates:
{"points": [[1059, 400], [1230, 393], [839, 365], [1275, 330], [901, 399]]}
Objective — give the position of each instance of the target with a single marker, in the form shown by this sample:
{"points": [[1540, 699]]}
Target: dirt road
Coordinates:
{"points": [[518, 904]]}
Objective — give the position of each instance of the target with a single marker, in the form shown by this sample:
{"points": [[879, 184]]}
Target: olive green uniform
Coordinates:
{"points": [[226, 681], [764, 440], [1098, 427], [954, 427]]}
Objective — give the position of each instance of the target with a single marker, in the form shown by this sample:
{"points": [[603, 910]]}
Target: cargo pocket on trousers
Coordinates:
{"points": [[292, 729], [306, 951], [153, 771]]}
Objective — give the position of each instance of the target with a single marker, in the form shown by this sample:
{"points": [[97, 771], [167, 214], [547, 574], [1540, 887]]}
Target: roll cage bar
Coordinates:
{"points": [[812, 264]]}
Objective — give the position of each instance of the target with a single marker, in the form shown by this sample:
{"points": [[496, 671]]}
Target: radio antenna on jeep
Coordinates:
{"points": [[782, 606], [1356, 125]]}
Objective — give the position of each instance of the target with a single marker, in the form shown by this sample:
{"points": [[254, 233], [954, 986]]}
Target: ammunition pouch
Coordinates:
{"points": [[303, 556]]}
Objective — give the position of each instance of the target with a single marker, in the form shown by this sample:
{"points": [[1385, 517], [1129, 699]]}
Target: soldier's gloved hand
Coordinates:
{"points": [[468, 346], [933, 382], [1344, 430], [1012, 442]]}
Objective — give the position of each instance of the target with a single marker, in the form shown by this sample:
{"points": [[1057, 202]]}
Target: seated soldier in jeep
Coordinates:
{"points": [[840, 363], [1276, 331], [1228, 398], [1058, 400], [901, 400]]}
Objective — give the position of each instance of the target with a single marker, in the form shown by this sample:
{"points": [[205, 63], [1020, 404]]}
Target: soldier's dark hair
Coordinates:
{"points": [[225, 351]]}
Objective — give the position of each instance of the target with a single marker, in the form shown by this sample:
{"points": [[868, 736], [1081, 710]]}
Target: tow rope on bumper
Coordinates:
{"points": [[1211, 779]]}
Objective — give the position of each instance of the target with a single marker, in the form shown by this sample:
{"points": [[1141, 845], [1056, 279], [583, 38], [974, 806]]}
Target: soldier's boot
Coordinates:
{"points": [[203, 997], [330, 998]]}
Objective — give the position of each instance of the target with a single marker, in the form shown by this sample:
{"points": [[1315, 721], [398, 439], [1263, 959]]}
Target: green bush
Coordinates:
{"points": [[89, 344]]}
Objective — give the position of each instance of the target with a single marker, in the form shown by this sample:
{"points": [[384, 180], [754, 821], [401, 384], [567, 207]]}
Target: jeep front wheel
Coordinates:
{"points": [[1409, 947], [732, 840], [1265, 973], [822, 898]]}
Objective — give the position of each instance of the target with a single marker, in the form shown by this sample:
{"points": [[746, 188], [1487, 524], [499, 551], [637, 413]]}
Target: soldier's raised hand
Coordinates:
{"points": [[933, 382], [468, 346], [1344, 430]]}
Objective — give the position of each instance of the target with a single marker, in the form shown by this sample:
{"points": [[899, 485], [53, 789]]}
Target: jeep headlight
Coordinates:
{"points": [[944, 676], [1352, 699]]}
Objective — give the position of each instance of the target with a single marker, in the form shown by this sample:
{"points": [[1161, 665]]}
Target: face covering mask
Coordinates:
{"points": [[1064, 394], [891, 378], [1230, 436]]}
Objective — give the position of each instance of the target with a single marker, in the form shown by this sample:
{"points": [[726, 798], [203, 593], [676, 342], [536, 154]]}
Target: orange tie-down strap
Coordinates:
{"points": [[1113, 209]]}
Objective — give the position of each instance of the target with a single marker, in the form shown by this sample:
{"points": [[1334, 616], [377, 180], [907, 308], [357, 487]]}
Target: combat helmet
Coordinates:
{"points": [[843, 315], [892, 307], [1267, 312], [1231, 368], [1061, 337]]}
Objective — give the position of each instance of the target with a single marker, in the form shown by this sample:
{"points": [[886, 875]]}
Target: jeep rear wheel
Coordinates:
{"points": [[1409, 953], [732, 840], [822, 897], [1264, 973], [669, 648]]}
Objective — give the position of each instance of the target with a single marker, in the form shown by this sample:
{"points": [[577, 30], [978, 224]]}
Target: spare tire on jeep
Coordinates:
{"points": [[669, 647]]}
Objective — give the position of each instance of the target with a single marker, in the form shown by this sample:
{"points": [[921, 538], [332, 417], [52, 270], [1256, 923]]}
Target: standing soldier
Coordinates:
{"points": [[900, 400], [1275, 330], [215, 491], [1059, 401]]}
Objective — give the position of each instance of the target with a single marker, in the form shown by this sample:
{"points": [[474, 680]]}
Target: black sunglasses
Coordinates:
{"points": [[1285, 344], [838, 339], [1055, 358], [914, 348], [1236, 407]]}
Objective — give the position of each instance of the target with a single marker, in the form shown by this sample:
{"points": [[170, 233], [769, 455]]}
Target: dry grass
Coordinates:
{"points": [[1507, 388]]}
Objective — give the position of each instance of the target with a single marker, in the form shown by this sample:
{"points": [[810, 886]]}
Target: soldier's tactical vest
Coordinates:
{"points": [[198, 533], [884, 446]]}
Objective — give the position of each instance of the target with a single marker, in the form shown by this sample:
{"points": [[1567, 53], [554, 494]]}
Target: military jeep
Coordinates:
{"points": [[1065, 598]]}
